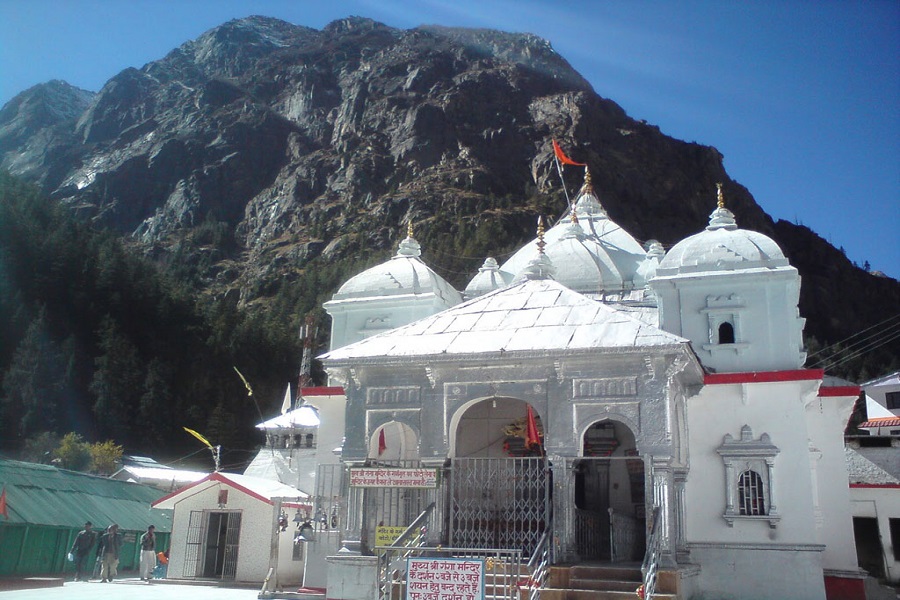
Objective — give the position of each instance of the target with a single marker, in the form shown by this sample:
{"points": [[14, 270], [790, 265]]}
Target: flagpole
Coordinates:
{"points": [[562, 179]]}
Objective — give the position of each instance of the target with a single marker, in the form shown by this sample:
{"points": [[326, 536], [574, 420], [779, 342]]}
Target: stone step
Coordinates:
{"points": [[606, 572], [613, 585], [557, 594]]}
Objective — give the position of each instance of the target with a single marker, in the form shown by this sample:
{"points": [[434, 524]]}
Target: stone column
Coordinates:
{"points": [[564, 508], [663, 488], [682, 554], [351, 542]]}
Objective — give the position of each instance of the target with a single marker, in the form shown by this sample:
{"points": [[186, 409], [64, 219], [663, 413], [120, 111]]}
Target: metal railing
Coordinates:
{"points": [[650, 566], [539, 565], [391, 565]]}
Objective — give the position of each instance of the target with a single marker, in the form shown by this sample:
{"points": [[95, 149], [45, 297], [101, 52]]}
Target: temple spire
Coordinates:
{"points": [[721, 218], [541, 244]]}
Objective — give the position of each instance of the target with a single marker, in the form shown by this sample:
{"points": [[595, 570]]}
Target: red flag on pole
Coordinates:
{"points": [[382, 444], [532, 437], [561, 156], [3, 509]]}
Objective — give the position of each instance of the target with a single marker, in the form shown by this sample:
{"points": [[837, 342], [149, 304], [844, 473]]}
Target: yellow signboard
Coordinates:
{"points": [[385, 536]]}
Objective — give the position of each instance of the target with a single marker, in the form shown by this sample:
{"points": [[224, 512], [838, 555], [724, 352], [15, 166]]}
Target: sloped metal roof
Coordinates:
{"points": [[264, 490], [46, 495], [533, 317]]}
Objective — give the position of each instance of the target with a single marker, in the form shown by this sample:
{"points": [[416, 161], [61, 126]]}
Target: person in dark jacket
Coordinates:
{"points": [[82, 545], [148, 554], [108, 553]]}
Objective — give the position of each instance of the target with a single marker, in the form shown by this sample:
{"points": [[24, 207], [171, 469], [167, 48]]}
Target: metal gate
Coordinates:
{"points": [[211, 549], [499, 502], [394, 507]]}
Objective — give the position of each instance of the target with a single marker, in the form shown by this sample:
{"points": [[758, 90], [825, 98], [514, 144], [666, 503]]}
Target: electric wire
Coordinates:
{"points": [[839, 359], [850, 337]]}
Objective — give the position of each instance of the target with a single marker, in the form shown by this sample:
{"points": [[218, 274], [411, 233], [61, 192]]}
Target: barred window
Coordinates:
{"points": [[751, 494]]}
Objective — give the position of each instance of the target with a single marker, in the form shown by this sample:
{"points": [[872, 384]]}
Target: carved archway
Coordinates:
{"points": [[494, 427], [609, 494], [392, 442]]}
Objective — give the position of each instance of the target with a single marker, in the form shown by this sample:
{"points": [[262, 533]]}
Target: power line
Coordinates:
{"points": [[850, 337], [873, 345]]}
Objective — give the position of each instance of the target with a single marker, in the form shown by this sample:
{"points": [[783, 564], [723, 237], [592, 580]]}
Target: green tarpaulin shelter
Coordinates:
{"points": [[48, 506]]}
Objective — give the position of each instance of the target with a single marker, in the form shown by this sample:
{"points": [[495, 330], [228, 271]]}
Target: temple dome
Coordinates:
{"points": [[405, 273], [488, 279], [722, 246], [591, 253]]}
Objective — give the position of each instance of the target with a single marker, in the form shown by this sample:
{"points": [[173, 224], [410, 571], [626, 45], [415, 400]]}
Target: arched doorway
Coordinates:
{"points": [[496, 428], [609, 495], [390, 509], [500, 481], [393, 442]]}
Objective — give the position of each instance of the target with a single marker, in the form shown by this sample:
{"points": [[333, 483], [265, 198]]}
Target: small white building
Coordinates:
{"points": [[224, 524]]}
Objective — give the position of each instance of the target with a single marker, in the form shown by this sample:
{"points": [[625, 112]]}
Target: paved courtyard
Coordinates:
{"points": [[130, 589]]}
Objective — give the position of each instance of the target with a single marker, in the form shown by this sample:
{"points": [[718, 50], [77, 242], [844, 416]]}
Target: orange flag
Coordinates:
{"points": [[382, 444], [561, 156], [3, 509], [532, 437]]}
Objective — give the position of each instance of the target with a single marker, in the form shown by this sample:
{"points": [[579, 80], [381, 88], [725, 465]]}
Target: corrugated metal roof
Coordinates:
{"points": [[46, 495]]}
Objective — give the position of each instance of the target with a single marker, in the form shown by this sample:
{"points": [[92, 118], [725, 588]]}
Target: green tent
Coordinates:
{"points": [[48, 506]]}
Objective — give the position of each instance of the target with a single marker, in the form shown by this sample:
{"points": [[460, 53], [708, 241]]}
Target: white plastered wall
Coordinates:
{"points": [[736, 557], [254, 541]]}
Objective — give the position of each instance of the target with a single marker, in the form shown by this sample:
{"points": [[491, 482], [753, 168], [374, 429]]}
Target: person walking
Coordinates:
{"points": [[148, 554], [83, 543], [108, 553]]}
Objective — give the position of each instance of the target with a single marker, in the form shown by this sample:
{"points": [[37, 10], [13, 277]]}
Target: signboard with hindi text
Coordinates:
{"points": [[385, 535], [445, 579], [395, 478]]}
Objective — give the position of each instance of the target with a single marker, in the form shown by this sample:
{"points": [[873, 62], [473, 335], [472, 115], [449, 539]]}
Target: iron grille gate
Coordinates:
{"points": [[499, 502], [394, 507], [192, 547], [211, 549]]}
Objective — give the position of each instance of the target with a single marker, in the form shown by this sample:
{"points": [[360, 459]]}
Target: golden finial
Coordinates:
{"points": [[409, 228], [719, 194], [540, 233], [573, 217], [588, 187]]}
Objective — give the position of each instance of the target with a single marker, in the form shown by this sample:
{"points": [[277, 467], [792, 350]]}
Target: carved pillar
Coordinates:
{"points": [[663, 498], [564, 508], [351, 542], [682, 553], [729, 488], [773, 498]]}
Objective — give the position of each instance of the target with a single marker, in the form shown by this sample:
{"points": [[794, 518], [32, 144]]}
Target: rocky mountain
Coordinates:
{"points": [[262, 152]]}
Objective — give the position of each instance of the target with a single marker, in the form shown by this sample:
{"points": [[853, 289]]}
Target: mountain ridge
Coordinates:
{"points": [[307, 147]]}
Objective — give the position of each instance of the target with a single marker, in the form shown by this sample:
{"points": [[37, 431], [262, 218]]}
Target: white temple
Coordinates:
{"points": [[667, 383]]}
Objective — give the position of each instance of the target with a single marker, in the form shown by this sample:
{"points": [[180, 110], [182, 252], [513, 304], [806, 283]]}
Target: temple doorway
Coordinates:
{"points": [[609, 500]]}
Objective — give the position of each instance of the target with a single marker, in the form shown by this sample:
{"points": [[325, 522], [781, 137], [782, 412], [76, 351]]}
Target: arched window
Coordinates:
{"points": [[751, 494], [726, 333]]}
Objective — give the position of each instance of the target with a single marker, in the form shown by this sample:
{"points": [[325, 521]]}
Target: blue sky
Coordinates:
{"points": [[801, 97]]}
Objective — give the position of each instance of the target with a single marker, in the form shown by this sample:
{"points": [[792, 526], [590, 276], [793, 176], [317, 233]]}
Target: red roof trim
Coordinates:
{"points": [[846, 390], [222, 479], [876, 485], [181, 489], [763, 376], [881, 422], [322, 391]]}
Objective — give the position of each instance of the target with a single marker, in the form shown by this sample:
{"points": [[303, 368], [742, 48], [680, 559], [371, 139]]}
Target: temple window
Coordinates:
{"points": [[749, 478], [750, 492], [726, 333]]}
